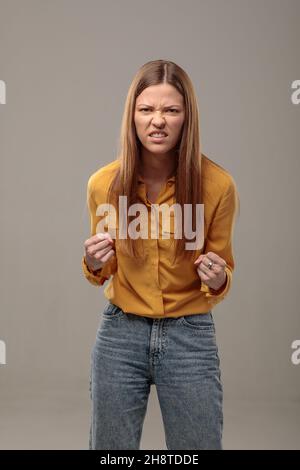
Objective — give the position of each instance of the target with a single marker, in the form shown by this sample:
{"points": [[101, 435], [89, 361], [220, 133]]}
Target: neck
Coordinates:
{"points": [[157, 168]]}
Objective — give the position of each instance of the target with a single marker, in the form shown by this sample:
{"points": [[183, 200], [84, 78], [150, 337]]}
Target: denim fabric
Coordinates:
{"points": [[178, 355]]}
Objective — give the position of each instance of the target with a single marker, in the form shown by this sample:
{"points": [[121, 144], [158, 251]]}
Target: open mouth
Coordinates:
{"points": [[158, 136]]}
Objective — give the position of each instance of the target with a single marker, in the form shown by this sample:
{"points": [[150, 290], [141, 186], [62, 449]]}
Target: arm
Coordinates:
{"points": [[219, 240], [97, 278]]}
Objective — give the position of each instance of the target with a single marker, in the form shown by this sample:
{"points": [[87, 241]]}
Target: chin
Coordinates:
{"points": [[155, 146]]}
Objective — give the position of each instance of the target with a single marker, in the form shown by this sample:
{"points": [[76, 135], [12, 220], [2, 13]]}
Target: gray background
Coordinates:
{"points": [[67, 67]]}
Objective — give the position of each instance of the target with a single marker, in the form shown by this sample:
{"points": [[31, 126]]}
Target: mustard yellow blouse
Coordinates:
{"points": [[158, 288]]}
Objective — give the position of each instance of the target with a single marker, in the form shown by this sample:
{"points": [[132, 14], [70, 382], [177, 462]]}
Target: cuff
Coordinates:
{"points": [[96, 278]]}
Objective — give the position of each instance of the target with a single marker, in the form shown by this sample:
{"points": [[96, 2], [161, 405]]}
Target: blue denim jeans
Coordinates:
{"points": [[178, 355]]}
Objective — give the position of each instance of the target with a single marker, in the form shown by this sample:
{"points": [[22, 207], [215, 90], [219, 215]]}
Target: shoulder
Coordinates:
{"points": [[216, 180], [100, 180]]}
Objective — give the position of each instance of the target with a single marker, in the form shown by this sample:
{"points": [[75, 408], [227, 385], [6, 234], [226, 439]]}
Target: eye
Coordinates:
{"points": [[172, 110]]}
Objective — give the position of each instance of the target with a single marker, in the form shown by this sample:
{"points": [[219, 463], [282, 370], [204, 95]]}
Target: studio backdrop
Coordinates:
{"points": [[65, 69]]}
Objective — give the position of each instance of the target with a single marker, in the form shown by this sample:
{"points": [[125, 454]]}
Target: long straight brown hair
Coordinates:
{"points": [[188, 188]]}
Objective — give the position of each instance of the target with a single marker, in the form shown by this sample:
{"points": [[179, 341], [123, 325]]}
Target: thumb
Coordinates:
{"points": [[103, 235], [199, 259], [108, 236]]}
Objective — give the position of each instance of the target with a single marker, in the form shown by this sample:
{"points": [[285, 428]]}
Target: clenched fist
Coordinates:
{"points": [[98, 249], [215, 277]]}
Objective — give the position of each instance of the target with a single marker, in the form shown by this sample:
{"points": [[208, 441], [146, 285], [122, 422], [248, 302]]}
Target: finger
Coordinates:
{"points": [[95, 239], [105, 235], [103, 244], [217, 261], [202, 275], [108, 256], [215, 270], [218, 265], [199, 259], [99, 254], [216, 258], [207, 274], [93, 249], [102, 256]]}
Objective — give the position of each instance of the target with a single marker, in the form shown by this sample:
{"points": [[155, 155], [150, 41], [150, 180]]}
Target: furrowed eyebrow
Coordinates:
{"points": [[170, 106]]}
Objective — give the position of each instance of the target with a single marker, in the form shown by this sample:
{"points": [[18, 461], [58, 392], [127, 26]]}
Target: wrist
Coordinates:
{"points": [[219, 289], [91, 269]]}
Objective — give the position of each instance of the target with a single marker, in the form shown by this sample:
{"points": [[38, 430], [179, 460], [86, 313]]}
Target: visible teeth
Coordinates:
{"points": [[158, 135]]}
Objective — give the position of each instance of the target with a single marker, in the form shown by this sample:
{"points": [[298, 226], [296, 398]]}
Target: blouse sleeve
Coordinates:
{"points": [[97, 278], [219, 240]]}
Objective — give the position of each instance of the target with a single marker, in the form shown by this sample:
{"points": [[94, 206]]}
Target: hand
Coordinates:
{"points": [[98, 252], [215, 277]]}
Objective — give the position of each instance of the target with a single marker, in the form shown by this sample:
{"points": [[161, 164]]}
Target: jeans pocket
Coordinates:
{"points": [[112, 311], [199, 321]]}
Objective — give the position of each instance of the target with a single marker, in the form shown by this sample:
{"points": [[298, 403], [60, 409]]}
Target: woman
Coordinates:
{"points": [[157, 326]]}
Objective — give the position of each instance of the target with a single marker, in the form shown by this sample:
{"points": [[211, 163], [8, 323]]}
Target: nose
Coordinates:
{"points": [[158, 119]]}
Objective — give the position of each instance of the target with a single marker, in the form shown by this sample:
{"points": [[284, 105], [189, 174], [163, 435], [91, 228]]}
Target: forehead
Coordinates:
{"points": [[163, 94]]}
